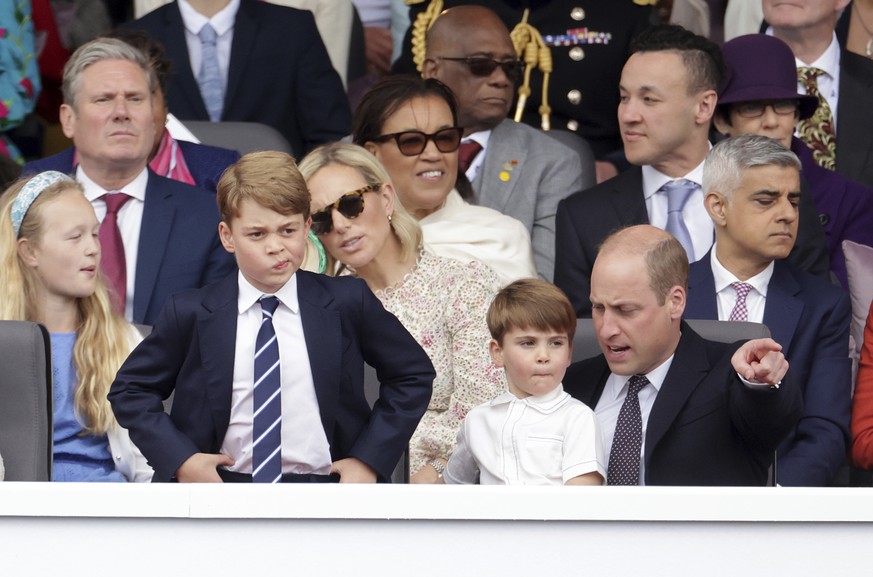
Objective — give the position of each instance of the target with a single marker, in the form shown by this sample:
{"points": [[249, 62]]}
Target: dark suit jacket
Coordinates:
{"points": [[854, 113], [810, 319], [586, 218], [178, 242], [191, 351], [206, 163], [279, 74], [706, 427]]}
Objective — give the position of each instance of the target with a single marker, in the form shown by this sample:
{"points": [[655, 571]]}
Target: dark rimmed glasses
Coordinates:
{"points": [[413, 142], [482, 66], [757, 108], [350, 205]]}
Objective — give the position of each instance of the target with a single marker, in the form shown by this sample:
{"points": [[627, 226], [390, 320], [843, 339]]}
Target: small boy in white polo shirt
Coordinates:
{"points": [[534, 433]]}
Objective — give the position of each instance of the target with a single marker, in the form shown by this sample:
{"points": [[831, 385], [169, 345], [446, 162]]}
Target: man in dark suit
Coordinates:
{"points": [[272, 65], [168, 230], [668, 96], [673, 408], [518, 170], [845, 82], [586, 42], [752, 185]]}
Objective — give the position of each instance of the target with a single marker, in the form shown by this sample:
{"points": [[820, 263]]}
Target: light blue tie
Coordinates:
{"points": [[678, 192], [267, 425], [209, 77]]}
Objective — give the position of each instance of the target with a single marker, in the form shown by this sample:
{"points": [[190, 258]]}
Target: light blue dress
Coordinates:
{"points": [[77, 456]]}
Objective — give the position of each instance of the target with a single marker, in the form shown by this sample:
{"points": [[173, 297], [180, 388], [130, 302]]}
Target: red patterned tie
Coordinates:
{"points": [[817, 131], [112, 262], [468, 152]]}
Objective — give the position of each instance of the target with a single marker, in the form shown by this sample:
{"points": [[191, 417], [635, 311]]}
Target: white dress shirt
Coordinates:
{"points": [[222, 22], [304, 444], [482, 138], [542, 440], [129, 220], [694, 214], [609, 405], [726, 295]]}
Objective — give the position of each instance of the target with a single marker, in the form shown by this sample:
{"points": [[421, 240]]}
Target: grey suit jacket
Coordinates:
{"points": [[525, 174]]}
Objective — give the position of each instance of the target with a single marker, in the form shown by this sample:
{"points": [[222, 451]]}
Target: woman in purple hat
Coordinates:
{"points": [[759, 96]]}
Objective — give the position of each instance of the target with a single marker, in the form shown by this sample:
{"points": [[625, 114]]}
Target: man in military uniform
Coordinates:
{"points": [[588, 42]]}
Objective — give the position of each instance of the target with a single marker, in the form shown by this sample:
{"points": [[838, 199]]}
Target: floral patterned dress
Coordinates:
{"points": [[443, 303], [19, 77]]}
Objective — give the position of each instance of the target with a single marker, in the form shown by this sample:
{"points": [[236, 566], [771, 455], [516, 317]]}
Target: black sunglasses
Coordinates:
{"points": [[350, 205], [413, 142], [483, 66]]}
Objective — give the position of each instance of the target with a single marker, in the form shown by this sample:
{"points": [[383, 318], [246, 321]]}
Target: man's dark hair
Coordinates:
{"points": [[701, 56]]}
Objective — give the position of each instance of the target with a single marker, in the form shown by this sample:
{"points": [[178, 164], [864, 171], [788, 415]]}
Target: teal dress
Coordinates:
{"points": [[78, 456]]}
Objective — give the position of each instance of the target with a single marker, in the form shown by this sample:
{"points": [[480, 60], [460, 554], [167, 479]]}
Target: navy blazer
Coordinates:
{"points": [[178, 246], [586, 218], [206, 163], [279, 73], [191, 352], [706, 427], [810, 319]]}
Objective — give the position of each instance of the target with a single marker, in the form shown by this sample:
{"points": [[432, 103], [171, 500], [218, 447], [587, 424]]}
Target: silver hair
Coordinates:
{"points": [[97, 51], [725, 163]]}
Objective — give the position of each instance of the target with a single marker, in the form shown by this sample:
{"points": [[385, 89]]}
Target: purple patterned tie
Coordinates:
{"points": [[740, 312], [817, 131], [624, 457]]}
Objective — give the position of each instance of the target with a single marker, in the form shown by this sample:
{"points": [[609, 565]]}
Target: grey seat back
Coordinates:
{"points": [[244, 137], [25, 401]]}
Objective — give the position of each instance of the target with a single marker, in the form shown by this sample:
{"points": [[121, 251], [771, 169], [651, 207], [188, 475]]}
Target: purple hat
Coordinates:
{"points": [[761, 67]]}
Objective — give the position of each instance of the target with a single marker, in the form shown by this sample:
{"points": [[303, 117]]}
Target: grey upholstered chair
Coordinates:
{"points": [[25, 401]]}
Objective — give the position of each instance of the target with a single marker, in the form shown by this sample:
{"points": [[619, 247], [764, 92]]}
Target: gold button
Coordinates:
{"points": [[574, 96], [572, 125], [577, 13], [576, 53]]}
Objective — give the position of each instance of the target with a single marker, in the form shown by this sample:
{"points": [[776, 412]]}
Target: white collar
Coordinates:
{"points": [[222, 22], [136, 188], [249, 295], [545, 404], [653, 179], [723, 277]]}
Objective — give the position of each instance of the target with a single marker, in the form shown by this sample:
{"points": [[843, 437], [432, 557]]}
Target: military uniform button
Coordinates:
{"points": [[577, 13], [576, 53], [574, 96], [572, 125]]}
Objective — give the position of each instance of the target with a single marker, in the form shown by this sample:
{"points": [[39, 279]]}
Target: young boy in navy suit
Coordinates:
{"points": [[267, 364]]}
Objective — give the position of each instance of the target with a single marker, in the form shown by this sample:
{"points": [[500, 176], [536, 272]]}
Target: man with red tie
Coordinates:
{"points": [[158, 236]]}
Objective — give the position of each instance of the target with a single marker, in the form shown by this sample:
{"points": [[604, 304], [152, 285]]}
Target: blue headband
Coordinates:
{"points": [[34, 187]]}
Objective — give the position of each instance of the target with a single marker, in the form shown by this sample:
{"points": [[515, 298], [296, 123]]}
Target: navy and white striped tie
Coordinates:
{"points": [[267, 426]]}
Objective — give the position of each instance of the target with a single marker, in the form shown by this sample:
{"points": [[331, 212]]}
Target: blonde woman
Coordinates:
{"points": [[441, 301], [50, 274]]}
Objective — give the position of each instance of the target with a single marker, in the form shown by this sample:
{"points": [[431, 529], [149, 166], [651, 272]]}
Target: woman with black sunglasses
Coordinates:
{"points": [[442, 302], [410, 125]]}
